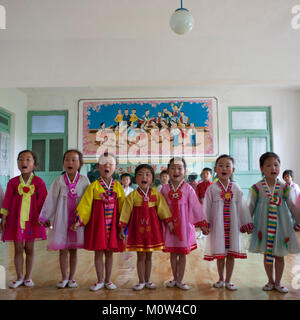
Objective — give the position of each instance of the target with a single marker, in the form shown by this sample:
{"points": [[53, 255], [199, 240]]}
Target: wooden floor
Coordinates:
{"points": [[249, 276]]}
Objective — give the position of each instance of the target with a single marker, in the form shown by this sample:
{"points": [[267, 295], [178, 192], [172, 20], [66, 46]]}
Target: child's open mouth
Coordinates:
{"points": [[70, 168], [106, 171], [144, 182], [24, 167]]}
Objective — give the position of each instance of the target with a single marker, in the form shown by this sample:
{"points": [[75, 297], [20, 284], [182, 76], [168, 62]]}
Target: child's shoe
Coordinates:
{"points": [[97, 286], [268, 287], [182, 286], [62, 284], [28, 283], [171, 284], [150, 285], [110, 286], [219, 284], [15, 284], [72, 284], [282, 289], [139, 286], [230, 286]]}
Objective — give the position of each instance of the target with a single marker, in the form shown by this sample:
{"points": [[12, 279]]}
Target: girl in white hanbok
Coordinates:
{"points": [[59, 213], [228, 215], [270, 201]]}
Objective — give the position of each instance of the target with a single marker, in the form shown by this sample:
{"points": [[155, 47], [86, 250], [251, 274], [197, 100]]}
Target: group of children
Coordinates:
{"points": [[104, 218]]}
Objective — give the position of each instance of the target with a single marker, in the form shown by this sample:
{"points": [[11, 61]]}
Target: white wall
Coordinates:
{"points": [[14, 102], [284, 103]]}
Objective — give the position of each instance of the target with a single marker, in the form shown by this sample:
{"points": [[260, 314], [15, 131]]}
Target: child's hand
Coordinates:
{"points": [[45, 224], [75, 226], [121, 234], [249, 231], [171, 226], [205, 230]]}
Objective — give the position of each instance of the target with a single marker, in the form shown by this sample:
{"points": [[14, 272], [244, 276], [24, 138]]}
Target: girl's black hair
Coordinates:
{"points": [[288, 172], [222, 156], [145, 166], [80, 156], [226, 156], [34, 156], [123, 175], [177, 159], [266, 156]]}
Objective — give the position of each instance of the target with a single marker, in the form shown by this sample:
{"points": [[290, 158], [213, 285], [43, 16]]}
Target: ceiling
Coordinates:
{"points": [[123, 43]]}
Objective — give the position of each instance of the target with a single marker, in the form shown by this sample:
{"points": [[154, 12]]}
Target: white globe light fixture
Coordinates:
{"points": [[181, 21]]}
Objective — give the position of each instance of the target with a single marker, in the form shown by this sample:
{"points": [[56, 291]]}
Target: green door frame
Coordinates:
{"points": [[47, 175], [250, 176], [5, 128]]}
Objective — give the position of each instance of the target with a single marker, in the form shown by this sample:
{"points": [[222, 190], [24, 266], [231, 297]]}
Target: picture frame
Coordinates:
{"points": [[148, 130]]}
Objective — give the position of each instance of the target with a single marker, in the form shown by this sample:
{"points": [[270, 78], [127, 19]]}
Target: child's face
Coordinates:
{"points": [[164, 178], [287, 178], [71, 163], [144, 178], [270, 168], [126, 111], [176, 171], [126, 181], [107, 166], [206, 175], [224, 169], [26, 163], [133, 111]]}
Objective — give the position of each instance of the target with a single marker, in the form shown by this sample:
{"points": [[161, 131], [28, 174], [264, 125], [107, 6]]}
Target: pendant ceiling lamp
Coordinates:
{"points": [[181, 21]]}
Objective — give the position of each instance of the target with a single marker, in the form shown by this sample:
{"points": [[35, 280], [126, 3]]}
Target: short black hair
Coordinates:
{"points": [[145, 166], [177, 159], [163, 172], [222, 156], [206, 169], [288, 172], [266, 156], [123, 175]]}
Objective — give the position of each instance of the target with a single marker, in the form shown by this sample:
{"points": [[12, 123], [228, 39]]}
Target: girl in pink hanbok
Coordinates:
{"points": [[60, 208], [228, 215], [186, 213], [23, 201]]}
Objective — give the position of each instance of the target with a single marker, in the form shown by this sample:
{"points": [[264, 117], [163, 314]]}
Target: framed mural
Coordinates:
{"points": [[148, 130]]}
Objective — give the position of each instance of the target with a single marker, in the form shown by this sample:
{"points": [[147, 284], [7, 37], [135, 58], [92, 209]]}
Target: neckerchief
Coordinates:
{"points": [[275, 201], [146, 198], [26, 190], [72, 197], [175, 195], [227, 196]]}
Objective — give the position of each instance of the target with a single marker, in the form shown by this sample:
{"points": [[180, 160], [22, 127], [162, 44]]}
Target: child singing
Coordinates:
{"points": [[186, 213], [22, 204], [99, 211], [143, 211], [60, 208]]}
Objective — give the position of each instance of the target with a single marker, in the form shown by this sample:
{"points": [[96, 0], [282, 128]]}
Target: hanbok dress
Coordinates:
{"points": [[22, 205], [60, 207], [228, 216], [144, 214], [273, 232], [99, 211], [186, 213]]}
